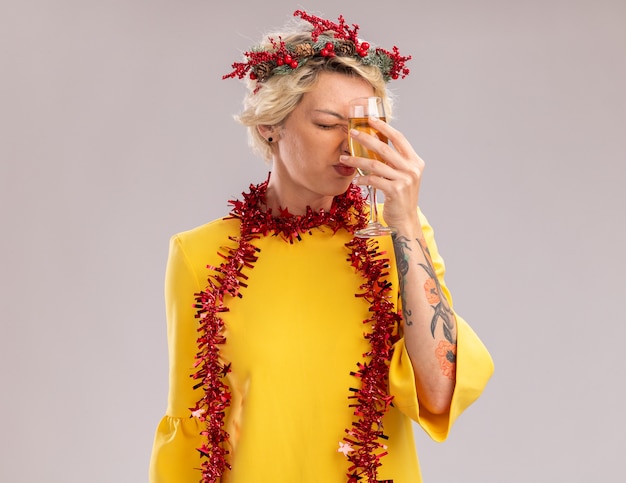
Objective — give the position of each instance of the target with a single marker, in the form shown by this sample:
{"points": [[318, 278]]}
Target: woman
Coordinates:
{"points": [[303, 353]]}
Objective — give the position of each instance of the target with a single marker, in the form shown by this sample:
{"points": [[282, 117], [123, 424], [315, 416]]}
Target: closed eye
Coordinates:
{"points": [[330, 127]]}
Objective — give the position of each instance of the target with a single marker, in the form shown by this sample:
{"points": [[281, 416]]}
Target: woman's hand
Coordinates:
{"points": [[398, 177]]}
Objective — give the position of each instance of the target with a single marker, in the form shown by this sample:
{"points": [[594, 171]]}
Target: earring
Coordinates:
{"points": [[270, 139]]}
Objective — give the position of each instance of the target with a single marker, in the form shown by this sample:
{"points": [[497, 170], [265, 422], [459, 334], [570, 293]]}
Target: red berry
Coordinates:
{"points": [[330, 46], [253, 76], [280, 61], [288, 59], [294, 64], [365, 46], [362, 53], [324, 53]]}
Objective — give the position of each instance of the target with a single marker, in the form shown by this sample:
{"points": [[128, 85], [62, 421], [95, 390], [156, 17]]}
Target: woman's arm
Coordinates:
{"points": [[429, 322]]}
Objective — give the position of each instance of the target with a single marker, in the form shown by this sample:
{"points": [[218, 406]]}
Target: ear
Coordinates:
{"points": [[265, 130]]}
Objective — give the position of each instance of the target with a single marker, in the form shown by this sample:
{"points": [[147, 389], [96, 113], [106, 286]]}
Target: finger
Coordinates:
{"points": [[383, 150], [382, 184], [398, 188], [397, 139], [373, 166]]}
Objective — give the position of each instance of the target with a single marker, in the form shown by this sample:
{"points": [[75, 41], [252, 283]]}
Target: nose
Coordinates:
{"points": [[345, 146]]}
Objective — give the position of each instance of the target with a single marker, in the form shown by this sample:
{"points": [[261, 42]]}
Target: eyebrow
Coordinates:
{"points": [[331, 113]]}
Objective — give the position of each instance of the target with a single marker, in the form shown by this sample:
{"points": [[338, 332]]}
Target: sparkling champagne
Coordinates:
{"points": [[361, 124], [361, 109]]}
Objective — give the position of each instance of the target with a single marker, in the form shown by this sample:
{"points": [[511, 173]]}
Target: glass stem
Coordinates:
{"points": [[373, 205]]}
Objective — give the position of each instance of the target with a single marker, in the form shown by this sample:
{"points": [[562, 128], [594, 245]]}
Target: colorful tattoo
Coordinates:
{"points": [[435, 297], [430, 288], [446, 349], [446, 354]]}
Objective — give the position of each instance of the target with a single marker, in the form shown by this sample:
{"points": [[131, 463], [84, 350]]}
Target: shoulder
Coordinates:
{"points": [[207, 238], [216, 228]]}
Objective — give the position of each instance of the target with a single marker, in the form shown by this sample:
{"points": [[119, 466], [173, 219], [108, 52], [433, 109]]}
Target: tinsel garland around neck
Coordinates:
{"points": [[370, 400]]}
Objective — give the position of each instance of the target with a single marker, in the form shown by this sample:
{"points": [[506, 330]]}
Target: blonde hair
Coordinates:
{"points": [[270, 102]]}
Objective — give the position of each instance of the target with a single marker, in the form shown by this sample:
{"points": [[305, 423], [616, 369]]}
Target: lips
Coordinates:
{"points": [[344, 170]]}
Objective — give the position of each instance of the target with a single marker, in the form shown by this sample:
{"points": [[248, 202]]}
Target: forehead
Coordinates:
{"points": [[333, 89]]}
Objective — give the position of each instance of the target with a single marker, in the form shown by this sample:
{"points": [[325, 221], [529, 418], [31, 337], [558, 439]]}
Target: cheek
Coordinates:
{"points": [[296, 146], [289, 149]]}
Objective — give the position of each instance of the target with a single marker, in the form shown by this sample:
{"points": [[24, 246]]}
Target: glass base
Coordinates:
{"points": [[374, 229]]}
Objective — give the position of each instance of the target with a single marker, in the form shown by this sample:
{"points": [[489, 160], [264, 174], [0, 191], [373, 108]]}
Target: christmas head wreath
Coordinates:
{"points": [[328, 39]]}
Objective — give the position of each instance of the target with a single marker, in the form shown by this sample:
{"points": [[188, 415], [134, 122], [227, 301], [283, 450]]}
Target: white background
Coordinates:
{"points": [[116, 131]]}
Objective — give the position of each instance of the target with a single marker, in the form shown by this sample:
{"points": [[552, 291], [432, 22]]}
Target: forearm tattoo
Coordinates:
{"points": [[401, 247], [446, 349]]}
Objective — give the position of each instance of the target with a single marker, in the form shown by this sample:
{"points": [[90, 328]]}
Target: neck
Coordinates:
{"points": [[279, 197]]}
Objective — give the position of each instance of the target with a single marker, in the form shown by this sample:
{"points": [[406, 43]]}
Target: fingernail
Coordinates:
{"points": [[343, 158], [354, 132]]}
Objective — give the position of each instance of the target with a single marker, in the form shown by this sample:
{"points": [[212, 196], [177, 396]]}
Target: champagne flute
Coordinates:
{"points": [[361, 109]]}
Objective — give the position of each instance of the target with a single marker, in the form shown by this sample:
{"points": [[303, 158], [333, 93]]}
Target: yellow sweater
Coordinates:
{"points": [[293, 340]]}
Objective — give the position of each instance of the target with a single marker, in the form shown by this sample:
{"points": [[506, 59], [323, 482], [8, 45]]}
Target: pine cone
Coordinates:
{"points": [[303, 50], [345, 49], [263, 70]]}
